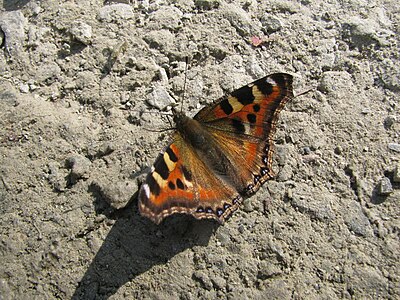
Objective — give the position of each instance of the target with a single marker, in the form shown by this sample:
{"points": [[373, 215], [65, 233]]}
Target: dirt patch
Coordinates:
{"points": [[82, 85]]}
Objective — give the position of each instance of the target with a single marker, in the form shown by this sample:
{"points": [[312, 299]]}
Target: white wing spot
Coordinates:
{"points": [[271, 81], [146, 190], [247, 128]]}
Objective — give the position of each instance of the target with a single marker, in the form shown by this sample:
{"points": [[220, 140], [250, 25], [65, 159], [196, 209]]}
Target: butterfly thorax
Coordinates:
{"points": [[196, 135], [191, 131]]}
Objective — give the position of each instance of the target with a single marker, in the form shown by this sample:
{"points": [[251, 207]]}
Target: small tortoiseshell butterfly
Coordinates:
{"points": [[219, 156]]}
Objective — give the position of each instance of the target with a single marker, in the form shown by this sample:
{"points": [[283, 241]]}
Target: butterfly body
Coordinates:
{"points": [[219, 156], [203, 144]]}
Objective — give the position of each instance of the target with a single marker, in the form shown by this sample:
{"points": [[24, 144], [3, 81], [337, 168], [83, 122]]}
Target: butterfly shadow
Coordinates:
{"points": [[134, 245]]}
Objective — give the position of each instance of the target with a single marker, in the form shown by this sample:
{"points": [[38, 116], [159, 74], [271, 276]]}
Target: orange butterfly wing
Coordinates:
{"points": [[243, 125], [180, 182], [240, 128]]}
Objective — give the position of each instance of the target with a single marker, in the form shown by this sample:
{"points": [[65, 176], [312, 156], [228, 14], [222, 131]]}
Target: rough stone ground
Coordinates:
{"points": [[77, 82]]}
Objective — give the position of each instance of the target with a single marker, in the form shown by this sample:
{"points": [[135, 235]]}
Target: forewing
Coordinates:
{"points": [[243, 125]]}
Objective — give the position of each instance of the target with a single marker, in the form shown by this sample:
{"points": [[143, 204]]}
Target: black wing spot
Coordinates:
{"points": [[280, 79], [265, 87], [153, 185], [265, 160], [171, 185], [244, 95], [256, 107], [172, 155], [251, 118], [238, 125], [186, 173], [179, 184], [263, 171], [161, 168], [226, 107]]}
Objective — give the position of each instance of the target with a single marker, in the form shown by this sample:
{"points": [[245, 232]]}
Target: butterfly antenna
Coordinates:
{"points": [[184, 82], [162, 113], [305, 92], [169, 120], [159, 131]]}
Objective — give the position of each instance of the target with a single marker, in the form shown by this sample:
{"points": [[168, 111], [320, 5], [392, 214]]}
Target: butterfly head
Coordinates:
{"points": [[179, 117]]}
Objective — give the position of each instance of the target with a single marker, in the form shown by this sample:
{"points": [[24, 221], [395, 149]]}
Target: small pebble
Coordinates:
{"points": [[116, 12], [163, 76], [55, 177], [389, 121], [247, 205], [223, 238], [285, 173], [361, 31], [80, 167], [13, 25], [24, 88], [394, 147], [203, 279], [338, 150], [268, 270], [271, 23], [239, 19], [159, 98], [1, 37], [396, 174], [306, 150], [117, 194], [81, 32], [207, 4], [218, 282], [385, 186]]}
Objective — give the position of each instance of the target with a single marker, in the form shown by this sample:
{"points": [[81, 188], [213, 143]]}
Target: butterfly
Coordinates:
{"points": [[219, 156]]}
